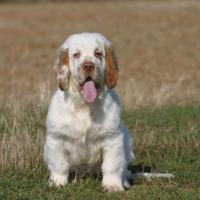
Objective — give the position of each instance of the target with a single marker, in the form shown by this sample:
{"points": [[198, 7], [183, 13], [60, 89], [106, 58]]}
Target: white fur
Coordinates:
{"points": [[80, 134]]}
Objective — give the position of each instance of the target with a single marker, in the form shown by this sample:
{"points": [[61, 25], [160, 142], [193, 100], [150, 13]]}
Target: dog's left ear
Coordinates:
{"points": [[111, 71]]}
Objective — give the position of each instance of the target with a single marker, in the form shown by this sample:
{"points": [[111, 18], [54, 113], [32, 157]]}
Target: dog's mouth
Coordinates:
{"points": [[89, 90]]}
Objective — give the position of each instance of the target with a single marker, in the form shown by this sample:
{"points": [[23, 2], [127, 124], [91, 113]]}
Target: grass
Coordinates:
{"points": [[166, 140], [32, 187]]}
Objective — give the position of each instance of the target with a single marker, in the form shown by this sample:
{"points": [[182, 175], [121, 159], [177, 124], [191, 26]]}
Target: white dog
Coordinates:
{"points": [[84, 126]]}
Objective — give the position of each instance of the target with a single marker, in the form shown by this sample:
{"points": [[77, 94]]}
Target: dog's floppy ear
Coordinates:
{"points": [[111, 71], [61, 68]]}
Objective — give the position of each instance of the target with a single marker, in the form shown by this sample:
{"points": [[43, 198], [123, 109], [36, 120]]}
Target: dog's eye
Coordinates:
{"points": [[76, 55], [98, 54]]}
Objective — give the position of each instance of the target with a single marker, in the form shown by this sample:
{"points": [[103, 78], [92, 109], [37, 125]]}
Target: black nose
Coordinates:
{"points": [[88, 66]]}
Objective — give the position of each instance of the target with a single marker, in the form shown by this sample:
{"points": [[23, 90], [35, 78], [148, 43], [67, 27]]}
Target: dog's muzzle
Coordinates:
{"points": [[88, 85], [88, 67]]}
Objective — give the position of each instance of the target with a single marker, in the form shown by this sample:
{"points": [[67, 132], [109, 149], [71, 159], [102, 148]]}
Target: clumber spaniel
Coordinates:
{"points": [[84, 126]]}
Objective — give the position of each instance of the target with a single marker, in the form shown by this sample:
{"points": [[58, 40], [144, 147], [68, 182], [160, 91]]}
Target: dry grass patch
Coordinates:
{"points": [[22, 135], [21, 152]]}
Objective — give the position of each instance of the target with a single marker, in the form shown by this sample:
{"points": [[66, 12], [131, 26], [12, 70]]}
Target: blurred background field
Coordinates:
{"points": [[157, 43]]}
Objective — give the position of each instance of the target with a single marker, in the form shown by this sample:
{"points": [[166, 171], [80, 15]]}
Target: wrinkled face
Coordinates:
{"points": [[86, 60]]}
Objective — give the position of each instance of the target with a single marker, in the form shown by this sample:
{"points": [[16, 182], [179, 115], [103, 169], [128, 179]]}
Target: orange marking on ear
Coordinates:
{"points": [[64, 60], [63, 79], [111, 72]]}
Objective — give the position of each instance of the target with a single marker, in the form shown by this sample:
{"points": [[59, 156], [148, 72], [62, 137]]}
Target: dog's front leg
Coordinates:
{"points": [[56, 160], [114, 164]]}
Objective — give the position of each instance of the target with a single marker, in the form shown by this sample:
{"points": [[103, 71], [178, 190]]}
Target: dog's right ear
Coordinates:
{"points": [[61, 68]]}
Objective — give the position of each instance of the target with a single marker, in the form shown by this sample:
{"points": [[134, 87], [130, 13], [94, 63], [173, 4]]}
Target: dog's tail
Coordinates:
{"points": [[141, 170], [149, 176]]}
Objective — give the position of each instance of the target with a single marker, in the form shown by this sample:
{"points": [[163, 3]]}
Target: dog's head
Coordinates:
{"points": [[87, 62]]}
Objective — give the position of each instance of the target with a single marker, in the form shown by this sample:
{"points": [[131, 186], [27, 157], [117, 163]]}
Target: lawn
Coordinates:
{"points": [[165, 139]]}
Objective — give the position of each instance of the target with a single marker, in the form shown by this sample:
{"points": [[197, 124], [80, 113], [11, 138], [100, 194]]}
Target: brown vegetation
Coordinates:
{"points": [[157, 45]]}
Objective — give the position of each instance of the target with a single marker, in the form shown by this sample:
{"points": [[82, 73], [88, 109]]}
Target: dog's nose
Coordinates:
{"points": [[88, 66]]}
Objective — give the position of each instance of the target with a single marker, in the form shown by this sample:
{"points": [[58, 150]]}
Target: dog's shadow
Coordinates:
{"points": [[76, 177], [139, 168]]}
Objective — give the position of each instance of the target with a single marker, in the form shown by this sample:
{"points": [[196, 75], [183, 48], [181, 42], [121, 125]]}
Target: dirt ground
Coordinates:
{"points": [[157, 44]]}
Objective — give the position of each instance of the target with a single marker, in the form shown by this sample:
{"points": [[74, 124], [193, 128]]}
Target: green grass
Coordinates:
{"points": [[166, 140], [32, 185]]}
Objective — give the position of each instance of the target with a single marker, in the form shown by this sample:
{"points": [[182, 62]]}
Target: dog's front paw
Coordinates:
{"points": [[58, 180], [113, 188], [112, 183]]}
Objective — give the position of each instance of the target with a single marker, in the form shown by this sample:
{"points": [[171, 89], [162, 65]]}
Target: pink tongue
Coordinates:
{"points": [[89, 92]]}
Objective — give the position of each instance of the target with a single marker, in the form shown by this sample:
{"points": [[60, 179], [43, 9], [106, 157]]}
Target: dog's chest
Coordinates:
{"points": [[82, 121], [85, 124], [83, 152], [85, 143]]}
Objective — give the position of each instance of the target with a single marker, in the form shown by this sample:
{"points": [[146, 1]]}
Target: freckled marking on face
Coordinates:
{"points": [[106, 64], [87, 49]]}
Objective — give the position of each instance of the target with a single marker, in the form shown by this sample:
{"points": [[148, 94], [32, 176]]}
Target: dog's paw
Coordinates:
{"points": [[113, 188], [112, 184], [57, 181]]}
